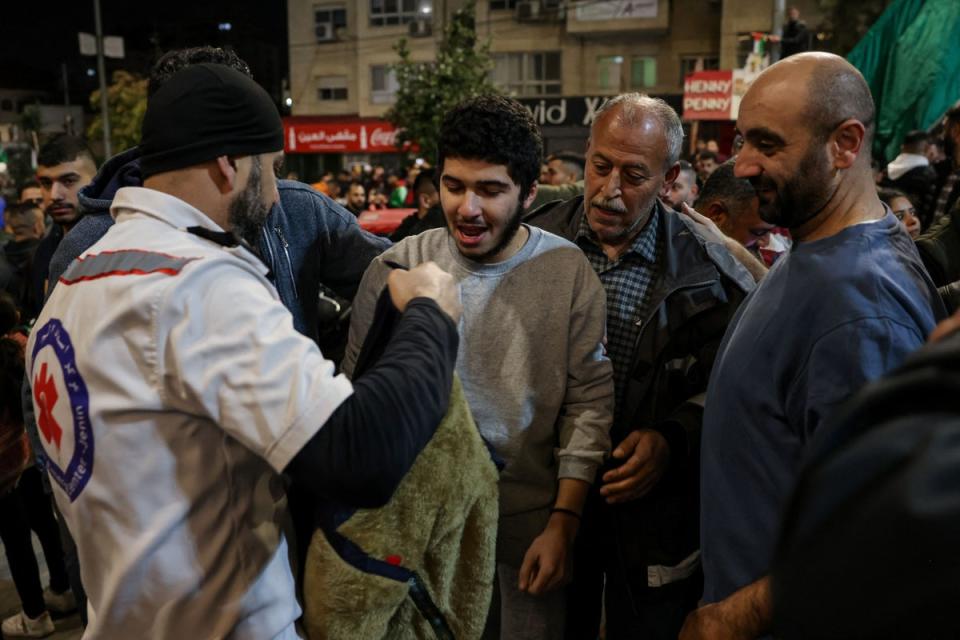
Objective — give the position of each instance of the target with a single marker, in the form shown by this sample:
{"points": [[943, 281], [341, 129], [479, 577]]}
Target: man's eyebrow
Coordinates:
{"points": [[492, 183], [68, 174], [758, 133]]}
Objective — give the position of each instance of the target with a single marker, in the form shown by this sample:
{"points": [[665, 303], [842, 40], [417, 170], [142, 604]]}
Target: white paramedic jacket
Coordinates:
{"points": [[170, 389]]}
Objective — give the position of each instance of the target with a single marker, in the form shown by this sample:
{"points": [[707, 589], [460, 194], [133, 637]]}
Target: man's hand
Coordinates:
{"points": [[425, 281], [945, 328], [712, 232], [745, 615], [710, 623], [646, 454], [547, 564]]}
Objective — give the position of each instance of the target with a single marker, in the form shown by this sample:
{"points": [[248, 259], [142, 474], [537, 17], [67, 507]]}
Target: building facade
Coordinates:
{"points": [[561, 58]]}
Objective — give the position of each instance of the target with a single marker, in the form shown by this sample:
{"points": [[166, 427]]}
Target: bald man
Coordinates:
{"points": [[848, 303]]}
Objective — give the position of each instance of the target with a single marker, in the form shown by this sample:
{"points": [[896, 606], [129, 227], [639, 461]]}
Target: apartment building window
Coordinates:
{"points": [[690, 64], [499, 5], [393, 12], [332, 88], [643, 72], [383, 84], [609, 72], [326, 21], [528, 74]]}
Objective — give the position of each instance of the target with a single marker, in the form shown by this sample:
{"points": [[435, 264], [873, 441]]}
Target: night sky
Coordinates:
{"points": [[37, 38]]}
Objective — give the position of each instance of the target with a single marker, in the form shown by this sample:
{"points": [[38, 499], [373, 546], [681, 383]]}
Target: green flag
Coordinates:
{"points": [[911, 60]]}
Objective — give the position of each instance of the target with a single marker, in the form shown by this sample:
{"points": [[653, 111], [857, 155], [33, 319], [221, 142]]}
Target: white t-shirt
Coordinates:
{"points": [[170, 389]]}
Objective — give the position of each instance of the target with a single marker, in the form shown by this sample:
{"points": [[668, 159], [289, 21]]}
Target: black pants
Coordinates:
{"points": [[28, 507]]}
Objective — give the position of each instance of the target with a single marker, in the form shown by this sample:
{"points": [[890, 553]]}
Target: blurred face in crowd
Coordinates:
{"points": [[683, 190], [558, 173], [626, 171], [33, 195], [544, 174], [249, 208], [27, 226], [907, 215], [356, 197], [746, 227], [60, 185], [784, 160], [706, 167], [483, 207]]}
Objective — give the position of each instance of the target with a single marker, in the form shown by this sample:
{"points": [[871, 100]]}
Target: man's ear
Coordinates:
{"points": [[716, 212], [225, 174], [847, 143], [671, 175], [530, 196]]}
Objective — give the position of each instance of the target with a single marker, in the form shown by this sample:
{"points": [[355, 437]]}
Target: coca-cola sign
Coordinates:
{"points": [[314, 135]]}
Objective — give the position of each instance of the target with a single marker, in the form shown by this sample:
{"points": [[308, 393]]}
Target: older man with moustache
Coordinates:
{"points": [[848, 303], [670, 292]]}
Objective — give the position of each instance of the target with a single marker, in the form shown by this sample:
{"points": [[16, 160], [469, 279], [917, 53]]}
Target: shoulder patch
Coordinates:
{"points": [[127, 262]]}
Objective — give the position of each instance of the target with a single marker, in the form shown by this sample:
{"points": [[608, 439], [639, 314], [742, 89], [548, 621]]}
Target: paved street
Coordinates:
{"points": [[67, 628]]}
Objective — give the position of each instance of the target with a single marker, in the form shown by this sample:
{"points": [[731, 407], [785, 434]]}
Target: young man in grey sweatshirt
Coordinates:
{"points": [[531, 355]]}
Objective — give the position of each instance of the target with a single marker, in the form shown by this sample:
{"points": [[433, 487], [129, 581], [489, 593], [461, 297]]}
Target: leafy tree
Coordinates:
{"points": [[427, 90], [127, 102]]}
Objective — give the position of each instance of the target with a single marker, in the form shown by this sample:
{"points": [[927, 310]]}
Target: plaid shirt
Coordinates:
{"points": [[628, 283]]}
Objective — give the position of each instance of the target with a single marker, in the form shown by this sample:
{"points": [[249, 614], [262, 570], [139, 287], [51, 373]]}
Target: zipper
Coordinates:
{"points": [[286, 253]]}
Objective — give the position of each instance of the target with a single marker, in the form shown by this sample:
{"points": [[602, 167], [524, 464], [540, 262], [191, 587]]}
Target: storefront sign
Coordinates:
{"points": [[304, 135], [572, 111]]}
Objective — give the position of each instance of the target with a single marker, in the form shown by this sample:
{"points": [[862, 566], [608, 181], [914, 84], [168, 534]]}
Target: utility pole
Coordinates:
{"points": [[102, 72]]}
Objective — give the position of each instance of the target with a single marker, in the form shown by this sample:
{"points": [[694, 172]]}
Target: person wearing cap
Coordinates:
{"points": [[172, 390]]}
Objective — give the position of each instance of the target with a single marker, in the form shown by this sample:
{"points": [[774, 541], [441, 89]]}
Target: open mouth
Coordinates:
{"points": [[470, 235]]}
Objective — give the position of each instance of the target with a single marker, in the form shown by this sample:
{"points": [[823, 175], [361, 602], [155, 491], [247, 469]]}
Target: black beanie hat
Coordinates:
{"points": [[203, 112]]}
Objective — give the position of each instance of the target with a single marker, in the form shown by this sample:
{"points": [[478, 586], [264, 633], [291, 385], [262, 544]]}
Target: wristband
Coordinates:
{"points": [[569, 512]]}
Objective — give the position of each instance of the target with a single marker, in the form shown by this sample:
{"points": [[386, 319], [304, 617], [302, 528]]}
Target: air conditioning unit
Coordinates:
{"points": [[421, 28], [530, 11], [325, 32]]}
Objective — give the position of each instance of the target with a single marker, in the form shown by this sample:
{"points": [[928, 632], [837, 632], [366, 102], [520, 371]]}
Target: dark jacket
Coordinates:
{"points": [[308, 240], [939, 248], [875, 503], [944, 168], [17, 274], [412, 225], [698, 289]]}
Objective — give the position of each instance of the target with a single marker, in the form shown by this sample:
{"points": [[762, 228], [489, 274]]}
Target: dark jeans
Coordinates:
{"points": [[28, 507], [650, 615]]}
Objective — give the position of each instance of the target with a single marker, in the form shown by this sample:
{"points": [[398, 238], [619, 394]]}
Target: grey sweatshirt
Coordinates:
{"points": [[531, 362]]}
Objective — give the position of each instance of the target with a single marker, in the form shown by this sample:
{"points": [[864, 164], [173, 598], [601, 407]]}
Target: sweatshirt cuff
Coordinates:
{"points": [[578, 469]]}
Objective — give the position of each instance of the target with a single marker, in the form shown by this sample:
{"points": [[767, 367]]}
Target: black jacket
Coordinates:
{"points": [[698, 289], [868, 546], [944, 168]]}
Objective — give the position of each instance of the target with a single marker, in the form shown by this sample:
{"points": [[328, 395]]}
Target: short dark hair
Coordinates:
{"points": [[8, 313], [725, 186], [28, 184], [63, 148], [952, 115], [687, 167], [495, 129], [837, 92], [707, 155], [173, 61], [572, 159], [22, 209], [424, 178], [888, 195], [915, 141]]}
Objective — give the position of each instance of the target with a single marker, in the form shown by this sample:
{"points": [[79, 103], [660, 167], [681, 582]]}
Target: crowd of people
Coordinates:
{"points": [[615, 392]]}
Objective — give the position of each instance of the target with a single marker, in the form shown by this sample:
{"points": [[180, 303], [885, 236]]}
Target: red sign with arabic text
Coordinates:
{"points": [[360, 135]]}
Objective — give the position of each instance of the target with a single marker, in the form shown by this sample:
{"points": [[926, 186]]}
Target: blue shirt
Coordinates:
{"points": [[830, 316], [628, 282]]}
